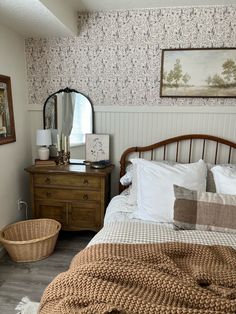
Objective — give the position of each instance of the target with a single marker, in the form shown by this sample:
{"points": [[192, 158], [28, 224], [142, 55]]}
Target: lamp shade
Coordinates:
{"points": [[44, 137]]}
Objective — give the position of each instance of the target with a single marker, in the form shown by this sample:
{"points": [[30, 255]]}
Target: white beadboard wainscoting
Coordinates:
{"points": [[141, 126]]}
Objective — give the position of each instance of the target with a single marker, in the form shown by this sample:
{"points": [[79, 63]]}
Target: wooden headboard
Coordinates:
{"points": [[190, 140]]}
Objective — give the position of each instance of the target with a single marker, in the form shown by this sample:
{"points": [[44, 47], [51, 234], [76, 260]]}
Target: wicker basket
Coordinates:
{"points": [[30, 240]]}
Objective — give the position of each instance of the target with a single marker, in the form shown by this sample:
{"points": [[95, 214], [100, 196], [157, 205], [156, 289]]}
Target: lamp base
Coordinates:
{"points": [[43, 153]]}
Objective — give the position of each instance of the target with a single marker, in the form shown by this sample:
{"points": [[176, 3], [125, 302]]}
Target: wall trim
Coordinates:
{"points": [[160, 109]]}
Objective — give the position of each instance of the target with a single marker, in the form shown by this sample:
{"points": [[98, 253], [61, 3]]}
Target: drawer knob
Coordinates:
{"points": [[85, 197], [48, 194], [86, 181], [47, 180]]}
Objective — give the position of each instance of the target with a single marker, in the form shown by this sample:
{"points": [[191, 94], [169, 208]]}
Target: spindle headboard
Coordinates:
{"points": [[189, 141]]}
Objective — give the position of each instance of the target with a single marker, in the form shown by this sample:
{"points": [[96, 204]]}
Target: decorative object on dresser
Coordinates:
{"points": [[97, 147], [202, 72], [7, 125], [43, 163], [74, 195], [43, 140], [63, 150]]}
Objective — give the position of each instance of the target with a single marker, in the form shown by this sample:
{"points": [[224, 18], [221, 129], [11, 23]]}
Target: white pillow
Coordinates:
{"points": [[155, 192], [225, 179], [132, 198]]}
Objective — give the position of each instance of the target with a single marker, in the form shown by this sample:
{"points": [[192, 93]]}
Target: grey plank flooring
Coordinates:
{"points": [[30, 279]]}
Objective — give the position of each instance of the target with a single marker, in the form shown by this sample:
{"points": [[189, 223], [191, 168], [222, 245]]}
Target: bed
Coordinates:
{"points": [[173, 264]]}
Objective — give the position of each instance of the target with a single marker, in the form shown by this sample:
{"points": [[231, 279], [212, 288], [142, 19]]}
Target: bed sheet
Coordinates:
{"points": [[119, 210], [120, 227], [133, 231]]}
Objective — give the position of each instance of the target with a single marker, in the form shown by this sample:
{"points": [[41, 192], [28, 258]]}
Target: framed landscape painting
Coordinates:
{"points": [[208, 72]]}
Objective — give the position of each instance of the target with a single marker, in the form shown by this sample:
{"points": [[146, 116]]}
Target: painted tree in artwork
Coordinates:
{"points": [[170, 77], [175, 77], [229, 70], [185, 78], [209, 80], [177, 72], [217, 80]]}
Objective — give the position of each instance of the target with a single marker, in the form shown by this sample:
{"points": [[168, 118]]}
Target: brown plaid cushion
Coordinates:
{"points": [[204, 210]]}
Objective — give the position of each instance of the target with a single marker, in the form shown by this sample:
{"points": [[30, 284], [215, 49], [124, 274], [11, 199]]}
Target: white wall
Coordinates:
{"points": [[14, 157], [141, 126]]}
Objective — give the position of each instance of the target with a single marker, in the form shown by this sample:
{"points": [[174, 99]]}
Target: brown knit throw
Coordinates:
{"points": [[166, 278]]}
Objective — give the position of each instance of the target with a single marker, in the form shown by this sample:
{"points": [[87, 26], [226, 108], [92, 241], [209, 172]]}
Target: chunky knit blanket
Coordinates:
{"points": [[166, 278]]}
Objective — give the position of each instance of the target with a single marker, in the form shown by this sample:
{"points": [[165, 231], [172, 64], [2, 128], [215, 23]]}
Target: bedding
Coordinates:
{"points": [[225, 179], [140, 266], [138, 231], [204, 210], [127, 179], [172, 278], [130, 178], [119, 209], [155, 194]]}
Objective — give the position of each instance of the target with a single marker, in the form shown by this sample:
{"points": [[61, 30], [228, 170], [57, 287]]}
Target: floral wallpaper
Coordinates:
{"points": [[115, 60]]}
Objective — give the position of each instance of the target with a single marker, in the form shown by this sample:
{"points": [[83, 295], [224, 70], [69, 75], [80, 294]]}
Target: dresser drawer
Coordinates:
{"points": [[66, 194], [67, 180]]}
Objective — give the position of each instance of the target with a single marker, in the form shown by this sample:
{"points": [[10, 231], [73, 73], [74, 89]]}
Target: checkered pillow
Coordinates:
{"points": [[204, 210]]}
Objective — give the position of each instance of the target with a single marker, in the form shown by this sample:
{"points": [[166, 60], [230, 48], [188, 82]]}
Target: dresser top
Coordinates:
{"points": [[70, 169]]}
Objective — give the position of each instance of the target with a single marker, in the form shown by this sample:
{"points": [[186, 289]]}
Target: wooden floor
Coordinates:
{"points": [[30, 279]]}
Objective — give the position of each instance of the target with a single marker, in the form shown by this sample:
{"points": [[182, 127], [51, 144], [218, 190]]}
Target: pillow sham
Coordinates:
{"points": [[204, 210], [127, 178], [155, 193], [132, 199], [225, 179], [210, 178]]}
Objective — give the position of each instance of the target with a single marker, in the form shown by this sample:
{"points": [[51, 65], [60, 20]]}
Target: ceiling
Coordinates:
{"points": [[96, 5], [47, 18]]}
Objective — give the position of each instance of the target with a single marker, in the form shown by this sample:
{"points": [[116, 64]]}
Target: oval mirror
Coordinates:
{"points": [[70, 113]]}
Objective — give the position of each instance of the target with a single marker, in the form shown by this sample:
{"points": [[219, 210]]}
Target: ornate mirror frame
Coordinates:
{"points": [[7, 125], [65, 90]]}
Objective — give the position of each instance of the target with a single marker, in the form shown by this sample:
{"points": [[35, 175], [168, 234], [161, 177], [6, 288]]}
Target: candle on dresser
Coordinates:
{"points": [[65, 143], [68, 144], [58, 142]]}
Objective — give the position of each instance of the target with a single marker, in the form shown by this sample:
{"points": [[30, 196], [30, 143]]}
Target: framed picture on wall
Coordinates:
{"points": [[97, 147], [207, 72], [7, 125]]}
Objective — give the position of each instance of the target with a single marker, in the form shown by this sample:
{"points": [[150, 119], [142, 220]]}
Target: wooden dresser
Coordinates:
{"points": [[75, 195]]}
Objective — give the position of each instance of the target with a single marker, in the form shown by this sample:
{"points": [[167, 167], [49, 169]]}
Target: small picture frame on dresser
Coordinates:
{"points": [[97, 147]]}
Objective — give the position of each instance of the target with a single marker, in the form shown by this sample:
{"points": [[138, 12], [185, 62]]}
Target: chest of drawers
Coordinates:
{"points": [[74, 195]]}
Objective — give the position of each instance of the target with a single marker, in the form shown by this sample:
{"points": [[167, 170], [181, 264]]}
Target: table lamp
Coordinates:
{"points": [[43, 140]]}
